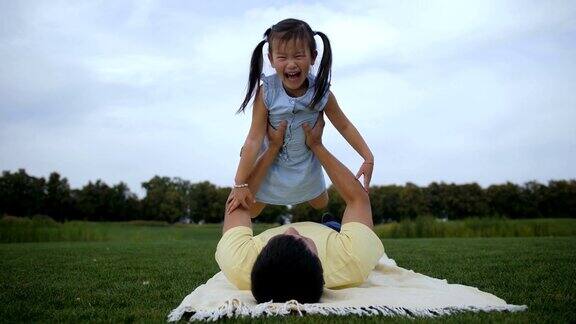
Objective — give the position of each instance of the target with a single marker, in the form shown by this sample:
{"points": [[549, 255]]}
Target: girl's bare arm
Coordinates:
{"points": [[259, 171], [347, 129], [353, 137], [250, 150]]}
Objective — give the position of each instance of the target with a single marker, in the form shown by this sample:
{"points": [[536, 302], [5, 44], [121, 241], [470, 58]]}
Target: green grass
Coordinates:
{"points": [[44, 229], [427, 226], [141, 280]]}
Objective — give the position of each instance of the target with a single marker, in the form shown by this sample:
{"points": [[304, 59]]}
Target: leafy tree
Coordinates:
{"points": [[21, 194], [219, 204], [336, 204], [386, 202], [438, 199], [124, 204], [207, 204], [470, 201], [457, 201], [412, 201], [58, 202], [560, 199], [304, 212], [168, 199], [534, 195], [271, 214], [506, 200], [165, 199]]}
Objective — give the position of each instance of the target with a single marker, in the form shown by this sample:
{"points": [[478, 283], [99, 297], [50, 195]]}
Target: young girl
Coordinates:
{"points": [[297, 97]]}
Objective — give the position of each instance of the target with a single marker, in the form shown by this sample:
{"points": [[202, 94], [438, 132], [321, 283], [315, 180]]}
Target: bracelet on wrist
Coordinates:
{"points": [[369, 163], [243, 185]]}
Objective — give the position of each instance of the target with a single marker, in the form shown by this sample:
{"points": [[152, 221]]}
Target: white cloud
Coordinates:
{"points": [[136, 69], [443, 90]]}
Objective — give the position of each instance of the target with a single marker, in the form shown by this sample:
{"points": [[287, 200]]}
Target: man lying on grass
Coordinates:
{"points": [[295, 261]]}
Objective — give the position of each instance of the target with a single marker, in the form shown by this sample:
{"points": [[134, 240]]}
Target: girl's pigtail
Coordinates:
{"points": [[324, 72], [255, 71]]}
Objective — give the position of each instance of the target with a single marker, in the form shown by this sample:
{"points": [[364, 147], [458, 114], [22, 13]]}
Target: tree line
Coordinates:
{"points": [[170, 199]]}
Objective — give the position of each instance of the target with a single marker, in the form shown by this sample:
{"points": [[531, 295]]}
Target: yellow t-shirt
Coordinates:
{"points": [[347, 256]]}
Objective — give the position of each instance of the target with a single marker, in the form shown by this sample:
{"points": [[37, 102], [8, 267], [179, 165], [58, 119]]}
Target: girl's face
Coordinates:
{"points": [[292, 61]]}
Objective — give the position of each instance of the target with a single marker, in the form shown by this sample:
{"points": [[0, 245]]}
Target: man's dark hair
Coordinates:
{"points": [[286, 269]]}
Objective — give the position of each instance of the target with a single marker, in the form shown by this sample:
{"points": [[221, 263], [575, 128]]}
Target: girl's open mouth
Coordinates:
{"points": [[292, 76]]}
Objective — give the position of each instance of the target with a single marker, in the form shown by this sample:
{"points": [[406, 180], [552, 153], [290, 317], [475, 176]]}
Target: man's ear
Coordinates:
{"points": [[314, 56], [271, 59]]}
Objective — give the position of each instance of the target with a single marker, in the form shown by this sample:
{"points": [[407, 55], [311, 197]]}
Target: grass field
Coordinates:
{"points": [[44, 229], [147, 274]]}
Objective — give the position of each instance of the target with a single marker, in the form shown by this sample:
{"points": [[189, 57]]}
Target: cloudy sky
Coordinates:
{"points": [[454, 91]]}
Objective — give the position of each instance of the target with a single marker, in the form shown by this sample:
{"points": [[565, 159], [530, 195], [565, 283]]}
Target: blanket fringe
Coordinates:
{"points": [[235, 308]]}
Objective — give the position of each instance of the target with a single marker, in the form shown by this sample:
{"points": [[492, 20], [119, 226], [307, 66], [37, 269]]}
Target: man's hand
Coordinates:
{"points": [[276, 136], [239, 196], [314, 134]]}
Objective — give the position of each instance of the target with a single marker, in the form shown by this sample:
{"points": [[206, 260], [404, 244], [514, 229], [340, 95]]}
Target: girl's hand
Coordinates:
{"points": [[239, 196], [366, 170]]}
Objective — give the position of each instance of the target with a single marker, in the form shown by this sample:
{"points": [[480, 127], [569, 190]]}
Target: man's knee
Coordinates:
{"points": [[256, 209], [361, 197]]}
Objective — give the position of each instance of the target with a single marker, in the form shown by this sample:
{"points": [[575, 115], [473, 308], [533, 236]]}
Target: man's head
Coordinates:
{"points": [[288, 268]]}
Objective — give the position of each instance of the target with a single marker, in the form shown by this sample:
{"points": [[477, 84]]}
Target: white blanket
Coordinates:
{"points": [[389, 290]]}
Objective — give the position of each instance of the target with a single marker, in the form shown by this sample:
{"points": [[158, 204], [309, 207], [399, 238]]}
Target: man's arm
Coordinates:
{"points": [[237, 215], [275, 140], [357, 202]]}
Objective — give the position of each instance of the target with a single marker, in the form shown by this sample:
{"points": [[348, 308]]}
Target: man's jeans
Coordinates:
{"points": [[333, 225]]}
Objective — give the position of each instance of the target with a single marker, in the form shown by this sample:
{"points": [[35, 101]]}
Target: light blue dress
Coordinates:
{"points": [[296, 174]]}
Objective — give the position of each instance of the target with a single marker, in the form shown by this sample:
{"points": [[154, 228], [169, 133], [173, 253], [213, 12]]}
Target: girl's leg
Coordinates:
{"points": [[320, 202], [256, 209]]}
